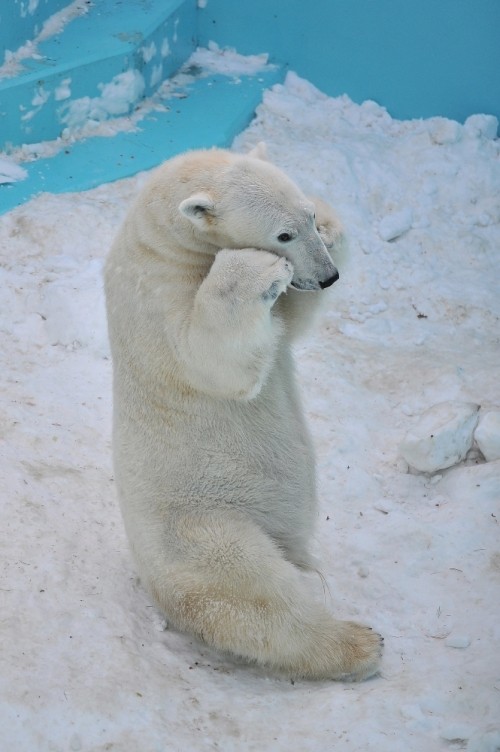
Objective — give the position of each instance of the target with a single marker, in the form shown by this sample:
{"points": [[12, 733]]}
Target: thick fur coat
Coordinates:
{"points": [[219, 265]]}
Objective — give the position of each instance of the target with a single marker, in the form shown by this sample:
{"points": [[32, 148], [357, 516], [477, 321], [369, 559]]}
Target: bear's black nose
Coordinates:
{"points": [[330, 281]]}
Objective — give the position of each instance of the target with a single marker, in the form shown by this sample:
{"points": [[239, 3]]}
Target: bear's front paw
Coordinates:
{"points": [[329, 235], [251, 275], [282, 273], [327, 223]]}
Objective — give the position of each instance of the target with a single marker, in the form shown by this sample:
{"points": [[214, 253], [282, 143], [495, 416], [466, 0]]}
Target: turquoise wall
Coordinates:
{"points": [[418, 58], [21, 20]]}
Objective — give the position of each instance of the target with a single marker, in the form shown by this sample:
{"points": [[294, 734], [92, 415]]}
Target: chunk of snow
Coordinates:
{"points": [[117, 97], [444, 131], [63, 91], [10, 172], [395, 224], [457, 641], [228, 61], [487, 435], [40, 97], [442, 437], [148, 52], [482, 125]]}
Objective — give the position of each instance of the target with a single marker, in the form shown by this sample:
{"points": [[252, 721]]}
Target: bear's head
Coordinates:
{"points": [[250, 203]]}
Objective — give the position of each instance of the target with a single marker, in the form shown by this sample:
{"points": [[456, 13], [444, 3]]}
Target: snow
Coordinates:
{"points": [[457, 641], [120, 108], [412, 322], [63, 91], [227, 61], [482, 125], [10, 172], [487, 435], [116, 98], [395, 224], [442, 436], [12, 64]]}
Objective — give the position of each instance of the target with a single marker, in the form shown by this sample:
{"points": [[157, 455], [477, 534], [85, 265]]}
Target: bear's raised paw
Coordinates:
{"points": [[250, 275]]}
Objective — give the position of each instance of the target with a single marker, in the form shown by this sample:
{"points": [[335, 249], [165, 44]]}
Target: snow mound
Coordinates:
{"points": [[442, 437], [485, 126], [487, 435]]}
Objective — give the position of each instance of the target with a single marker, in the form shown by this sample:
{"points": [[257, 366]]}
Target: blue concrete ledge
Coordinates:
{"points": [[150, 38], [211, 112]]}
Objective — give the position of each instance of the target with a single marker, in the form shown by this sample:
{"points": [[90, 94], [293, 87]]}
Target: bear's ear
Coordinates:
{"points": [[259, 152], [199, 209]]}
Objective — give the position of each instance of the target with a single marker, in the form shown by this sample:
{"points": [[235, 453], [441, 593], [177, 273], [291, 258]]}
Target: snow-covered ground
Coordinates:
{"points": [[412, 323]]}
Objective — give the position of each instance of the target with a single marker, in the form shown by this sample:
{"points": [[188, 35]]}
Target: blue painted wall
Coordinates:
{"points": [[418, 58], [21, 20]]}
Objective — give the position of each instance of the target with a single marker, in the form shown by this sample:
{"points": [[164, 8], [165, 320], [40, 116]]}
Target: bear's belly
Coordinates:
{"points": [[255, 457]]}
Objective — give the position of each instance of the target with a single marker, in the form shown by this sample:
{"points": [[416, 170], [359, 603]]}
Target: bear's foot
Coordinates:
{"points": [[349, 652], [236, 592]]}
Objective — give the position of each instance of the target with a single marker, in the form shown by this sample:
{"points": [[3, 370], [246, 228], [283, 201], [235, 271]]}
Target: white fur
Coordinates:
{"points": [[213, 460]]}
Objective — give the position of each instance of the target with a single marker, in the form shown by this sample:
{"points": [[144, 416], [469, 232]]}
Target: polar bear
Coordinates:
{"points": [[219, 264]]}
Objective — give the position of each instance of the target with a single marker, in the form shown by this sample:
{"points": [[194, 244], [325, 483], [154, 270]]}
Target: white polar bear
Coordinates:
{"points": [[214, 464]]}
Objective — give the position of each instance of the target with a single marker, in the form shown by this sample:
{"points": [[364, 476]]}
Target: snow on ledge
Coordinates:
{"points": [[227, 61], [12, 65], [10, 172]]}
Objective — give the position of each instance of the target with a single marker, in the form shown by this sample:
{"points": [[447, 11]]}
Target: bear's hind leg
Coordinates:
{"points": [[234, 590]]}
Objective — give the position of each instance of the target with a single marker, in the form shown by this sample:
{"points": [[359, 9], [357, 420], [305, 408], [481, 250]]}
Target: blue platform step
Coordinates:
{"points": [[210, 111], [129, 47], [116, 47]]}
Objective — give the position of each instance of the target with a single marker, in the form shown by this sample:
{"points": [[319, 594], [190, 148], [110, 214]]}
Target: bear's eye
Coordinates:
{"points": [[285, 237]]}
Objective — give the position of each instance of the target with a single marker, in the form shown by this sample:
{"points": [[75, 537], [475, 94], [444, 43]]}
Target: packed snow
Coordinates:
{"points": [[228, 61], [487, 435], [413, 323], [442, 437]]}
